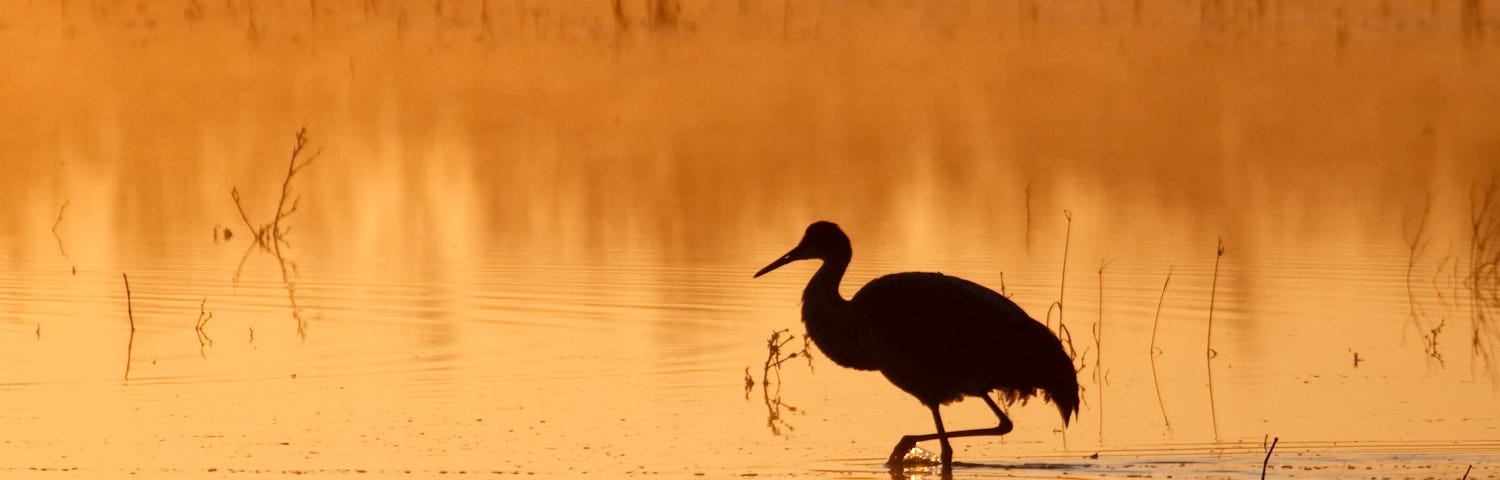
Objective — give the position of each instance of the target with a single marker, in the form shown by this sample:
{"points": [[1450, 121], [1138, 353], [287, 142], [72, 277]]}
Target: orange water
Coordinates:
{"points": [[526, 243]]}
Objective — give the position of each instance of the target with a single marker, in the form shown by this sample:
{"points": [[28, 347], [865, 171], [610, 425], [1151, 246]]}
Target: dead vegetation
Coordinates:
{"points": [[776, 344], [271, 237], [130, 314]]}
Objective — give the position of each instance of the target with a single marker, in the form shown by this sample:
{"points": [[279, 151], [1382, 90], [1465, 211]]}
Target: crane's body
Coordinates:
{"points": [[939, 338]]}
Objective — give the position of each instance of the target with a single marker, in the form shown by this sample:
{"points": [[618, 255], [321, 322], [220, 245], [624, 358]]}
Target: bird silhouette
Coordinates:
{"points": [[937, 337]]}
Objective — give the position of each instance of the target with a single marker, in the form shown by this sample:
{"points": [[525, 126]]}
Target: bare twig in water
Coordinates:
{"points": [[774, 359], [1208, 347], [1430, 341], [58, 236], [130, 312], [203, 317], [1267, 460], [271, 237], [1155, 351]]}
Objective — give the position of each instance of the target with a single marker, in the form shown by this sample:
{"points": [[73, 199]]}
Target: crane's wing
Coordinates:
{"points": [[940, 337]]}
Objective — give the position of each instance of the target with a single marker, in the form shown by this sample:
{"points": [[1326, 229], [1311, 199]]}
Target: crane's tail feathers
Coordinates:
{"points": [[1066, 400]]}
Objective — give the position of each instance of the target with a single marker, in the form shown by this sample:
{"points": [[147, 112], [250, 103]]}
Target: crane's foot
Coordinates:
{"points": [[899, 454]]}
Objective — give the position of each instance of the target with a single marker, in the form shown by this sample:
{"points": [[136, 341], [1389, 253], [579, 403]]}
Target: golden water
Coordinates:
{"points": [[526, 240]]}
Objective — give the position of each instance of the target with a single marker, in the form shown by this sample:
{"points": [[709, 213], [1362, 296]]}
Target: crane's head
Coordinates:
{"points": [[823, 241]]}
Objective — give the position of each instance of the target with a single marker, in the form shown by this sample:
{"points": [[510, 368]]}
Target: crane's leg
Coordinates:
{"points": [[937, 418], [1005, 425], [898, 454]]}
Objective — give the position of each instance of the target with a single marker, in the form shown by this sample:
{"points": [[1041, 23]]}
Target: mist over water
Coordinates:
{"points": [[526, 244]]}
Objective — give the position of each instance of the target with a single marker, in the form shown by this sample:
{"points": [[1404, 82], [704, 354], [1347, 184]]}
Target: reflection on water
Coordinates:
{"points": [[527, 245]]}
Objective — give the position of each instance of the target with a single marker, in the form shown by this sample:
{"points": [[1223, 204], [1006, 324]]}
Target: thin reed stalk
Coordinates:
{"points": [[1267, 460], [1155, 323], [1208, 347], [130, 313]]}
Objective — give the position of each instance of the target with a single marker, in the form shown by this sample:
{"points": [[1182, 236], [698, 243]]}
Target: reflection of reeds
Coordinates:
{"points": [[1099, 377], [1208, 348], [1416, 244], [203, 317], [58, 236], [130, 312], [1484, 272], [1155, 351]]}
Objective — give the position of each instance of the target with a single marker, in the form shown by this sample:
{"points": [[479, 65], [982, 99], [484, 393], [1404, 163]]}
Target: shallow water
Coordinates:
{"points": [[526, 244]]}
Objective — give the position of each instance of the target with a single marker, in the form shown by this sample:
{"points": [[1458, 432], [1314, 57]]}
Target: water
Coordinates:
{"points": [[526, 244]]}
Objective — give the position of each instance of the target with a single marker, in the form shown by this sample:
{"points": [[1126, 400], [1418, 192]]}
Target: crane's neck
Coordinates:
{"points": [[823, 289], [829, 319]]}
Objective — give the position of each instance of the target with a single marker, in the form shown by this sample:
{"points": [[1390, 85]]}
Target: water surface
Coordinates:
{"points": [[526, 244]]}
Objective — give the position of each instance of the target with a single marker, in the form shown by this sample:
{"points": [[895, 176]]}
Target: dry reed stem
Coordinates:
{"points": [[130, 312], [1208, 347], [1154, 351], [1267, 460]]}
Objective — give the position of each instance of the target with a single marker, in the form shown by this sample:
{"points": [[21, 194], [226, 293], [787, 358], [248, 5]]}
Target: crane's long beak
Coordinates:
{"points": [[785, 259]]}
